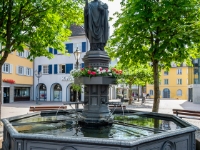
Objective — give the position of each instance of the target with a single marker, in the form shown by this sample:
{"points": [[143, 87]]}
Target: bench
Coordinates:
{"points": [[116, 107], [42, 108], [190, 114]]}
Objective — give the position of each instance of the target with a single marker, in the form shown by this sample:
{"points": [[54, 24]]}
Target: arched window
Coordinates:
{"points": [[166, 93], [151, 92], [43, 92], [57, 93], [179, 92]]}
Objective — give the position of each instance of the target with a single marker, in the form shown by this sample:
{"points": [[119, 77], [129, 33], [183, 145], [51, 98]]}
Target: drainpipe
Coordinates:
{"points": [[33, 95]]}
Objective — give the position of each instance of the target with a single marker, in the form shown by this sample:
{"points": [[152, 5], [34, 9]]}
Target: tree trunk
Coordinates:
{"points": [[156, 87], [130, 94], [1, 91], [138, 93], [3, 59]]}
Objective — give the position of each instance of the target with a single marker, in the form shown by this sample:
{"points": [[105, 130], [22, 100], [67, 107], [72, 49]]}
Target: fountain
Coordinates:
{"points": [[95, 127]]}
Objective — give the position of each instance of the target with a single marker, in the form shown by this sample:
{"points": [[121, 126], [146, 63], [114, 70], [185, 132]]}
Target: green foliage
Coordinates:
{"points": [[37, 24], [159, 31], [76, 87], [138, 75]]}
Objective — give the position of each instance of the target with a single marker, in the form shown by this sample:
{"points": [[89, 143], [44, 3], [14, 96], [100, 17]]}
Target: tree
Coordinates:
{"points": [[36, 24], [138, 75], [156, 31]]}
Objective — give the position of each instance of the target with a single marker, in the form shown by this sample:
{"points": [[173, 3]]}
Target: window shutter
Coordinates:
{"points": [[55, 51], [69, 67], [31, 72], [11, 68], [50, 69], [50, 50], [39, 68], [24, 71], [17, 69], [83, 46], [55, 68], [25, 53], [69, 47], [82, 65]]}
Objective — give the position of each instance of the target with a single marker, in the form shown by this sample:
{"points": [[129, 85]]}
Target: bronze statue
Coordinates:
{"points": [[96, 24]]}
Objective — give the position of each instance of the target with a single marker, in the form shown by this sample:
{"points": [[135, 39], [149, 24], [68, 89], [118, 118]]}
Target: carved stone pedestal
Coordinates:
{"points": [[96, 98]]}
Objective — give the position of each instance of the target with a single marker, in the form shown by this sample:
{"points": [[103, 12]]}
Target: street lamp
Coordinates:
{"points": [[77, 55], [38, 75]]}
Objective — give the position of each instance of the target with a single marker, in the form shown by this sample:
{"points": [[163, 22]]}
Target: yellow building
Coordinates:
{"points": [[17, 78], [174, 83]]}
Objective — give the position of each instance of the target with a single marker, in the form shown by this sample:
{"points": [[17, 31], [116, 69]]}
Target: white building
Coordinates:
{"points": [[55, 83]]}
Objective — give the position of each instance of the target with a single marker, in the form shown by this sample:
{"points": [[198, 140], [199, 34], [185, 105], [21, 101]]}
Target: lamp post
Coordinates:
{"points": [[38, 75], [77, 55]]}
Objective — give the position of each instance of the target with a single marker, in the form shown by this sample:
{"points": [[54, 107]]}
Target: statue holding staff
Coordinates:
{"points": [[96, 24]]}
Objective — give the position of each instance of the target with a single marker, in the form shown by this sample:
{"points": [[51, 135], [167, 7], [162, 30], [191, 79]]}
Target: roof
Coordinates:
{"points": [[77, 30]]}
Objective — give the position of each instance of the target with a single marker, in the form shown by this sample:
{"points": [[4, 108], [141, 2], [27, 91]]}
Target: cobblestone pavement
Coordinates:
{"points": [[166, 106]]}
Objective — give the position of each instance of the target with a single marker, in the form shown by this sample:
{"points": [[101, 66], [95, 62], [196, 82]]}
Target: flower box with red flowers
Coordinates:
{"points": [[96, 75], [11, 81], [95, 80], [96, 72]]}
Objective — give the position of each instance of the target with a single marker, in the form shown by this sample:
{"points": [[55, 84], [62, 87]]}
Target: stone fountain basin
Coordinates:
{"points": [[179, 139]]}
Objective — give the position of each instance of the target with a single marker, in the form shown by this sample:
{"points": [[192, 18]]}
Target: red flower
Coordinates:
{"points": [[82, 69], [89, 72], [93, 73]]}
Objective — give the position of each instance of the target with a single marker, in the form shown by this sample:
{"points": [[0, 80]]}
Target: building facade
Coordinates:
{"points": [[55, 84], [173, 83], [17, 78]]}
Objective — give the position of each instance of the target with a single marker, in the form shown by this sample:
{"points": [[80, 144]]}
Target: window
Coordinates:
{"points": [[179, 92], [27, 53], [166, 73], [20, 70], [195, 70], [6, 68], [195, 61], [28, 71], [179, 71], [195, 81], [179, 81], [79, 45], [61, 68], [151, 92], [22, 92], [166, 81], [21, 54], [45, 69]]}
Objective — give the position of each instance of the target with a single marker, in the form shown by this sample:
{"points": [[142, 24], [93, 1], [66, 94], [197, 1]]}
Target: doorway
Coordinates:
{"points": [[73, 95], [166, 93], [6, 95]]}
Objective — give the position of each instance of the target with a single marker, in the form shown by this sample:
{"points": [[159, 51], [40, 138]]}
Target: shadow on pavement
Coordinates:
{"points": [[190, 106]]}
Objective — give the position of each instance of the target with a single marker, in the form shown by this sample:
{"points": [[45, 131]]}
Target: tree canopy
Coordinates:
{"points": [[36, 25], [156, 31], [135, 75]]}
